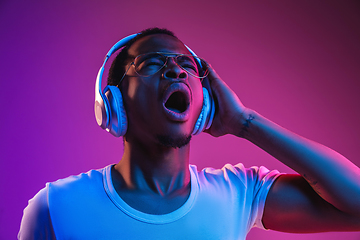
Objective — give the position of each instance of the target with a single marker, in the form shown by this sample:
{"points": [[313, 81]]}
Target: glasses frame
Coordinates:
{"points": [[167, 56]]}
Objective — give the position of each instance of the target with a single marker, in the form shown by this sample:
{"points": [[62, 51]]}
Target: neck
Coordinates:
{"points": [[162, 170]]}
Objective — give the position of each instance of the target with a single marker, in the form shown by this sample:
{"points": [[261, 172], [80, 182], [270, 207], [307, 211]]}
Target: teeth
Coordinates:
{"points": [[174, 110]]}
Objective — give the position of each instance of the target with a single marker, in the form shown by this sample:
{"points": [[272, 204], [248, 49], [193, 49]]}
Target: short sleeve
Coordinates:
{"points": [[36, 222], [262, 180]]}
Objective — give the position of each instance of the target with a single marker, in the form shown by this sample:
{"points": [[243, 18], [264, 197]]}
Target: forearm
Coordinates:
{"points": [[331, 175]]}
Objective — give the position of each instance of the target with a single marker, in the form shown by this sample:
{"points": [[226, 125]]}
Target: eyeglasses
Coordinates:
{"points": [[150, 63]]}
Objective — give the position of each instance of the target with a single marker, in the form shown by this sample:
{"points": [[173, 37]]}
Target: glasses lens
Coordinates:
{"points": [[149, 64], [195, 66]]}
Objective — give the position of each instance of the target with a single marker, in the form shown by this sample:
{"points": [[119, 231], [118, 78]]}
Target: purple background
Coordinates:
{"points": [[296, 63]]}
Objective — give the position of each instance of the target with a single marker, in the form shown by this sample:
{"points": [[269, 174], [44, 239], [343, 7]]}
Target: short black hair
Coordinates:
{"points": [[117, 68]]}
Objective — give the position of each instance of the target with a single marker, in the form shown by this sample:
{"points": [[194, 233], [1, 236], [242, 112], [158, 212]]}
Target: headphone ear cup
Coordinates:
{"points": [[117, 120], [205, 114], [101, 112]]}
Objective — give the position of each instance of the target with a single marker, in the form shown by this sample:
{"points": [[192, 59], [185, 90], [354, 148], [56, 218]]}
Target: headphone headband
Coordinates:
{"points": [[117, 46]]}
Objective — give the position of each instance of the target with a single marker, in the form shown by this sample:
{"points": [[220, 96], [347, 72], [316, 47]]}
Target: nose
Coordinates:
{"points": [[173, 70]]}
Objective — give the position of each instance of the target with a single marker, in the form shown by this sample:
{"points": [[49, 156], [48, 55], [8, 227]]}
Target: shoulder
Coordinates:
{"points": [[58, 199], [75, 189], [238, 174], [36, 220], [79, 180], [234, 186]]}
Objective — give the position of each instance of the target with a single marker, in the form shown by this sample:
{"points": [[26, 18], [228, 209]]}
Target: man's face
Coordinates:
{"points": [[164, 107]]}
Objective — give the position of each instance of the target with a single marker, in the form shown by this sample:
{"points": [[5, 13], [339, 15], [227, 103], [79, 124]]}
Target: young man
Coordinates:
{"points": [[153, 193]]}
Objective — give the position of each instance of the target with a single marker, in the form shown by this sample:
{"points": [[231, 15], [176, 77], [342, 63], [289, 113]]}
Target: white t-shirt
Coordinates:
{"points": [[223, 204]]}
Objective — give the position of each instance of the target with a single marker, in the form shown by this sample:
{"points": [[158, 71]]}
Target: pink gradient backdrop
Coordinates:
{"points": [[296, 63]]}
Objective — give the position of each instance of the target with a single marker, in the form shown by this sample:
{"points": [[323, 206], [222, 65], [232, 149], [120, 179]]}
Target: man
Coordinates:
{"points": [[153, 193]]}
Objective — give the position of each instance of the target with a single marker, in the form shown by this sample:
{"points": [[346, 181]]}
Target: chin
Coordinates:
{"points": [[172, 141]]}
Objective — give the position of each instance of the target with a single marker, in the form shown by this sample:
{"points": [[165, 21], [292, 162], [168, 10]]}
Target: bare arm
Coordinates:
{"points": [[327, 189], [293, 206], [329, 199]]}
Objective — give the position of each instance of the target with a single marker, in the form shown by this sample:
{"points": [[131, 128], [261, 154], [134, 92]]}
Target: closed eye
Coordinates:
{"points": [[149, 63], [187, 63], [189, 66]]}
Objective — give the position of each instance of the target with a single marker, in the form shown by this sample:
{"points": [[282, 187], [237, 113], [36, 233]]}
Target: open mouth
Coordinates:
{"points": [[176, 101]]}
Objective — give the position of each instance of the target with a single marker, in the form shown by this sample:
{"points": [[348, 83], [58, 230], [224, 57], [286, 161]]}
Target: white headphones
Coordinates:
{"points": [[109, 108]]}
